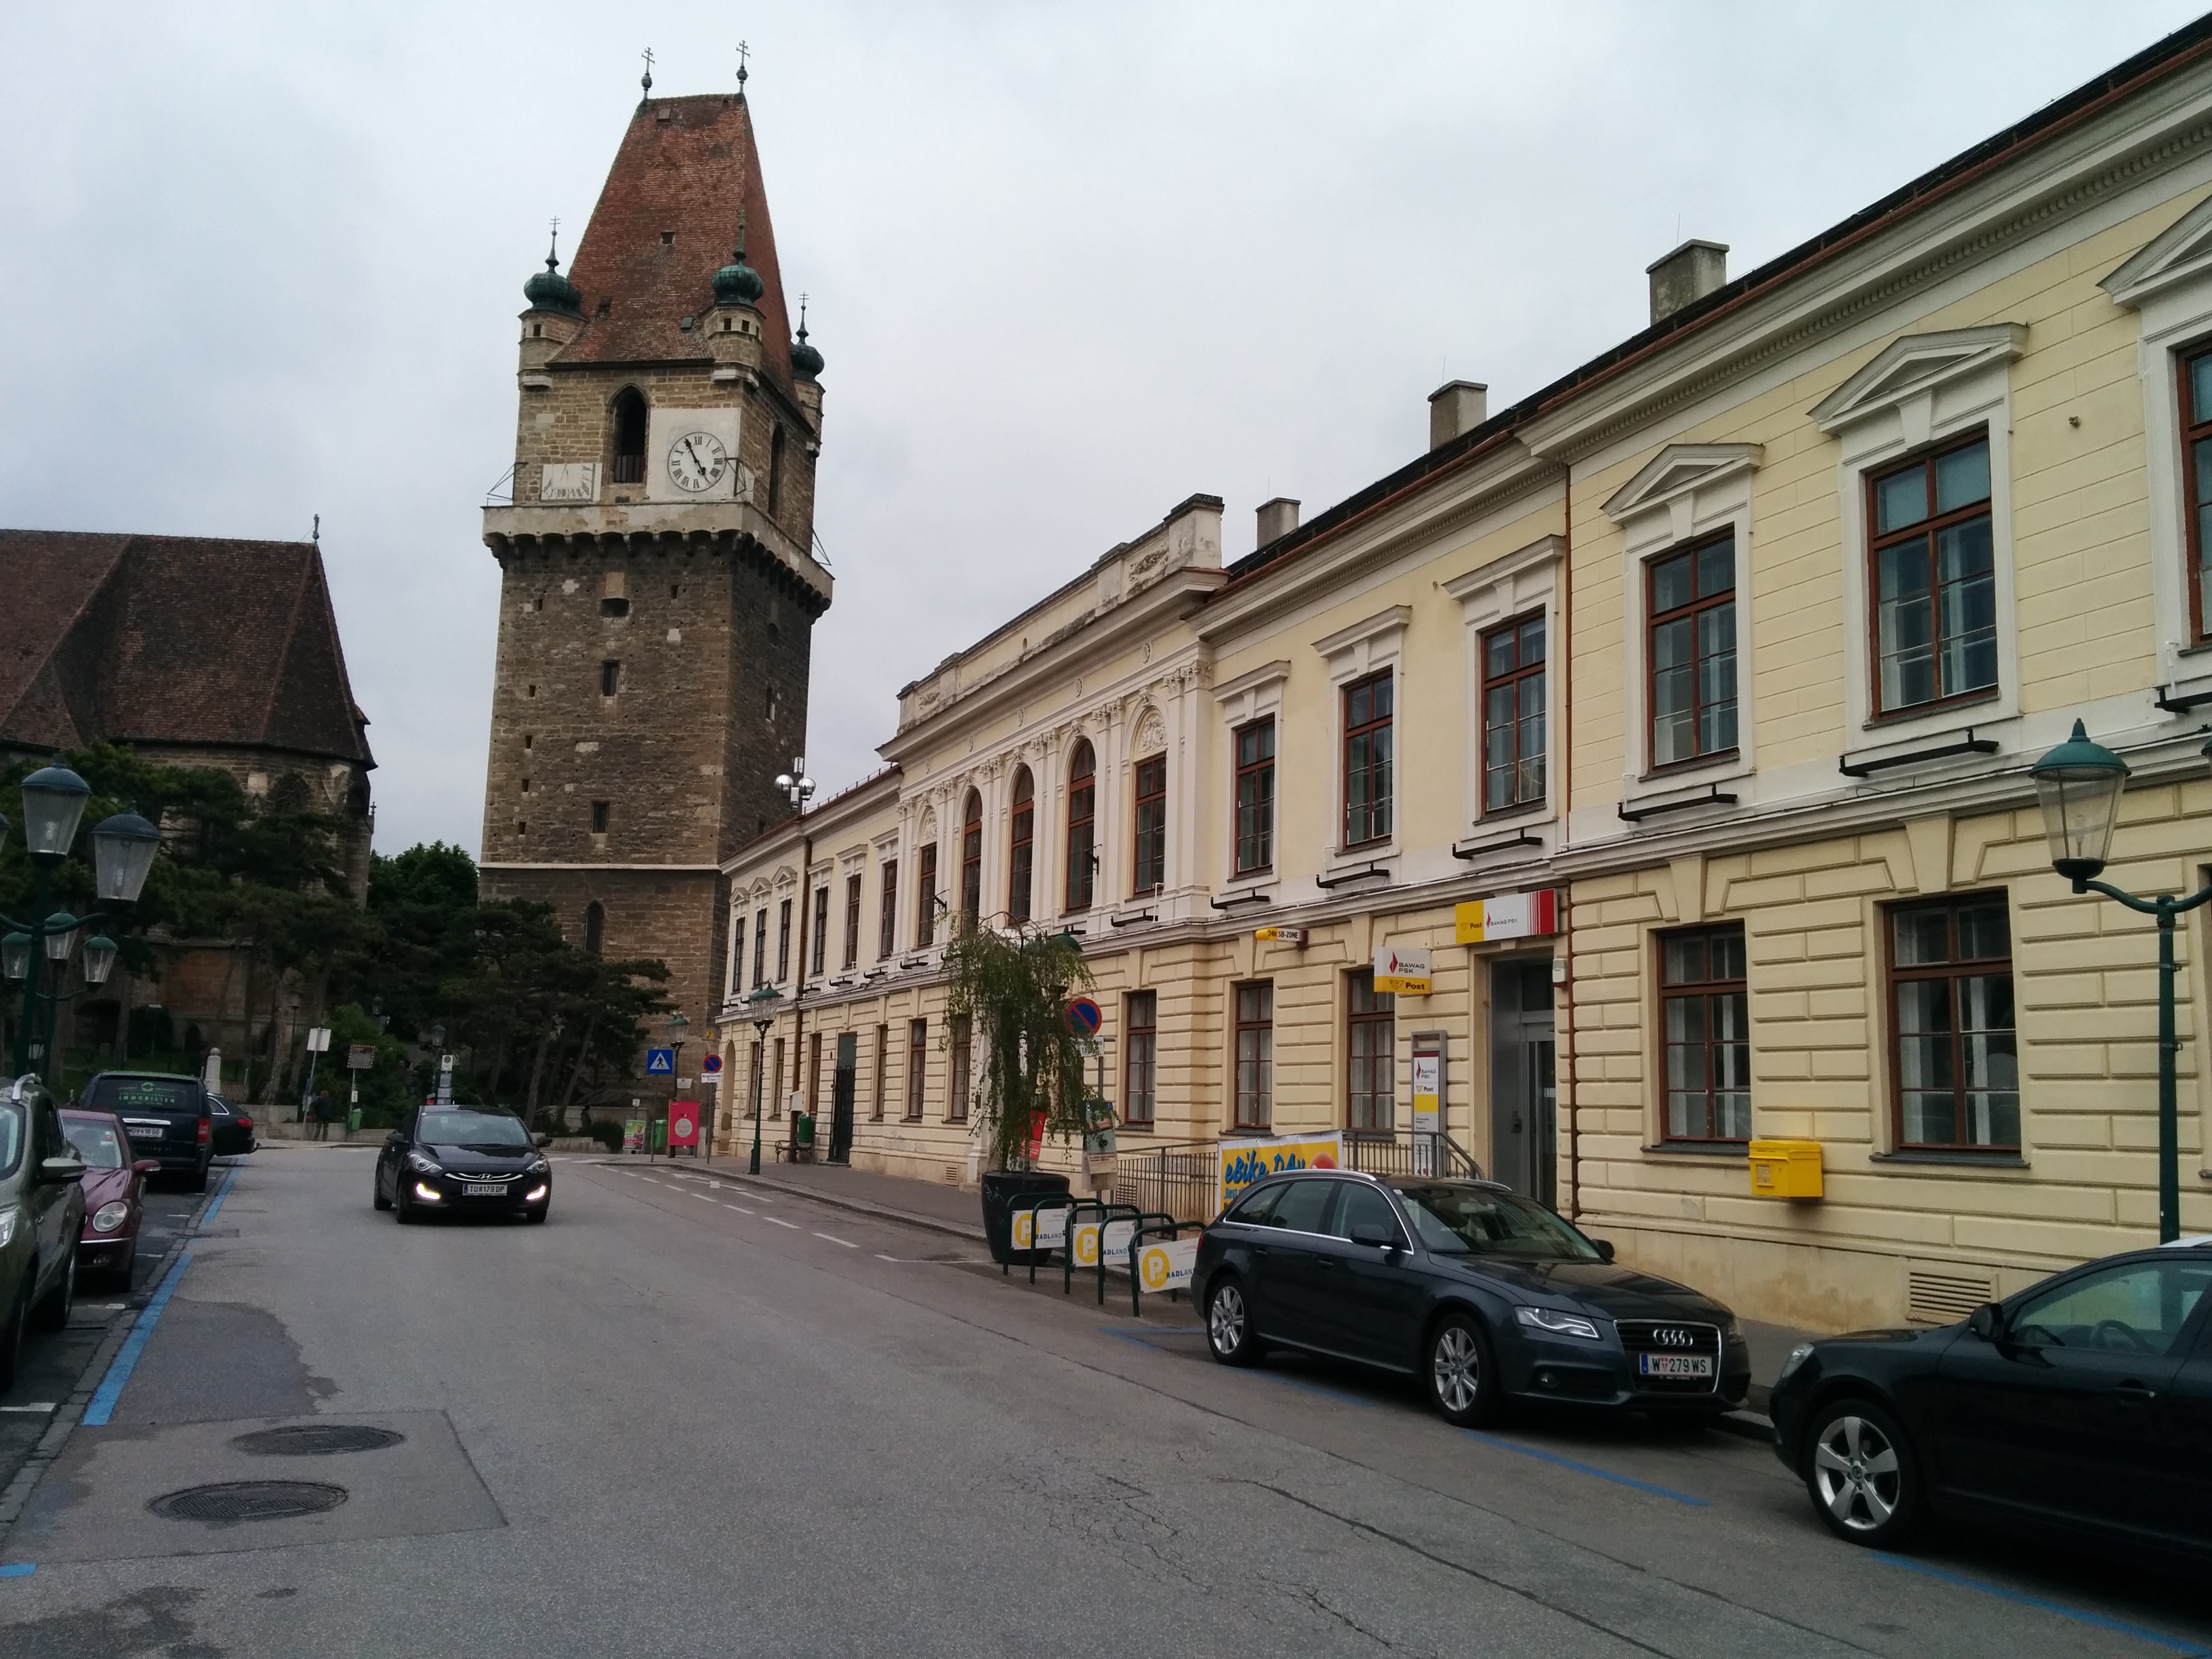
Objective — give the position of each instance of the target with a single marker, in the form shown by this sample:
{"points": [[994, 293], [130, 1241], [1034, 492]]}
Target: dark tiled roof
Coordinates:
{"points": [[172, 638], [685, 167]]}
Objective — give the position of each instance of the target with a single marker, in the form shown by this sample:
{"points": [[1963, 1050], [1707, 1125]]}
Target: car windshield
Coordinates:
{"points": [[144, 1094], [97, 1144], [1455, 1220], [473, 1129]]}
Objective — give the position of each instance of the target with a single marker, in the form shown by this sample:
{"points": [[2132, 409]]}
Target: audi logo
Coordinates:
{"points": [[1669, 1336]]}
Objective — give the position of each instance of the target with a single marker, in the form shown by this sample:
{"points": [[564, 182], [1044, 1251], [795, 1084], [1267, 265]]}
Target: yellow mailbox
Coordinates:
{"points": [[1785, 1168]]}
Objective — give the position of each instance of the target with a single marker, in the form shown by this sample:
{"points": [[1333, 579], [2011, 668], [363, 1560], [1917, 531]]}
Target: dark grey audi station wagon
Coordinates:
{"points": [[1487, 1296]]}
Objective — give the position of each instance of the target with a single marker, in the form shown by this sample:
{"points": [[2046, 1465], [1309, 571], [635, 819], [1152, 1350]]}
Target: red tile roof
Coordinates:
{"points": [[685, 167], [172, 638]]}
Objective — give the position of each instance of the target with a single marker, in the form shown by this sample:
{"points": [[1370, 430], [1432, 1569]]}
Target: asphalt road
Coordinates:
{"points": [[693, 1418]]}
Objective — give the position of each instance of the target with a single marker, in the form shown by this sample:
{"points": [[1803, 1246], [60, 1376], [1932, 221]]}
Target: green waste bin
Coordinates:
{"points": [[353, 1120], [802, 1129], [660, 1142]]}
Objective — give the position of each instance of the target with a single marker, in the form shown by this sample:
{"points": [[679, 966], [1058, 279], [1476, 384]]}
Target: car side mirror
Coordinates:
{"points": [[544, 1141], [1604, 1248], [61, 1169], [146, 1166], [1987, 1322], [1375, 1234]]}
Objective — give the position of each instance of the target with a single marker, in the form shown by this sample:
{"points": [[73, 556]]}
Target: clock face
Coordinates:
{"points": [[696, 461]]}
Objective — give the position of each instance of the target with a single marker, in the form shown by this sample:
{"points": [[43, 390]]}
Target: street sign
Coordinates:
{"points": [[1084, 1018], [660, 1062], [683, 1124], [1282, 936], [711, 1064], [1402, 970], [318, 1039], [360, 1057]]}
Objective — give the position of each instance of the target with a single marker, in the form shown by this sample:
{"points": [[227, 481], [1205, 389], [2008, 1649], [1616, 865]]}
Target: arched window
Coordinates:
{"points": [[629, 435], [971, 860], [595, 927], [1024, 846], [1082, 825]]}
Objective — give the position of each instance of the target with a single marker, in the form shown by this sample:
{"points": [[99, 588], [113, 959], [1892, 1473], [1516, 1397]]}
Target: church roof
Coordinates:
{"points": [[665, 223], [173, 640]]}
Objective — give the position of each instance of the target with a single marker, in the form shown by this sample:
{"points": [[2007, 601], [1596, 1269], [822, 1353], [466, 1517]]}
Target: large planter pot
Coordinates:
{"points": [[1001, 1188]]}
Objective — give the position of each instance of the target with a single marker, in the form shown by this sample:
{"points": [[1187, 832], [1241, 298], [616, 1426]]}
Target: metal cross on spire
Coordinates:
{"points": [[648, 81], [553, 253], [745, 52]]}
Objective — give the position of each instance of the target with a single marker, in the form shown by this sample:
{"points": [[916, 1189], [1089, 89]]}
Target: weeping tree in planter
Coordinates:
{"points": [[1013, 988]]}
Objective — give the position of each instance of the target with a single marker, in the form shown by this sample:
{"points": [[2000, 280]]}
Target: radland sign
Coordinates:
{"points": [[1244, 1162]]}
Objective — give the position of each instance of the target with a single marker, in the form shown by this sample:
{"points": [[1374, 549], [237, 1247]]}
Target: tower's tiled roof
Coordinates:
{"points": [[666, 220], [172, 640]]}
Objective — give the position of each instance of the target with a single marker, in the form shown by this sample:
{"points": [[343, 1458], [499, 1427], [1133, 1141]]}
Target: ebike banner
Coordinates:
{"points": [[1166, 1264], [1243, 1162]]}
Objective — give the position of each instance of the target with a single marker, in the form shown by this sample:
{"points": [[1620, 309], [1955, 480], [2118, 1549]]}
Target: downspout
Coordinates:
{"points": [[1565, 1064], [798, 988]]}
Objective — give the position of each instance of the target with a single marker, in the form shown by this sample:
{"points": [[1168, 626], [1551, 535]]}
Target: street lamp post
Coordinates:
{"points": [[2080, 784], [123, 849], [762, 1003]]}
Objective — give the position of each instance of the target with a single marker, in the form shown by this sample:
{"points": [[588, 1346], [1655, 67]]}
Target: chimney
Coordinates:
{"points": [[1454, 407], [1278, 519], [1686, 275]]}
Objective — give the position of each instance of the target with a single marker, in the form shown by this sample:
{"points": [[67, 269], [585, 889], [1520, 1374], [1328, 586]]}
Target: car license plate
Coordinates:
{"points": [[1675, 1365], [484, 1189]]}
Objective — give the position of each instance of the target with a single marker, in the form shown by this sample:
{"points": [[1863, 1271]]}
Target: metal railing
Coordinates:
{"points": [[627, 469], [1183, 1180], [1408, 1152]]}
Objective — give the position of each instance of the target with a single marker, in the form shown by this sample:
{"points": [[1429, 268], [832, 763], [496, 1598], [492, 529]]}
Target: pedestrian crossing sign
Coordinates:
{"points": [[660, 1062]]}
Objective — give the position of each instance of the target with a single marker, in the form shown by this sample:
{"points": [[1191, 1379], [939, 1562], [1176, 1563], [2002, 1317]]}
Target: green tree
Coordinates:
{"points": [[1013, 987]]}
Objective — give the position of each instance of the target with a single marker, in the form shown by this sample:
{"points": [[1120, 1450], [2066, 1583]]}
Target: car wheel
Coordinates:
{"points": [[53, 1314], [198, 1182], [376, 1194], [1862, 1474], [11, 1336], [1228, 1324], [403, 1211], [1461, 1376]]}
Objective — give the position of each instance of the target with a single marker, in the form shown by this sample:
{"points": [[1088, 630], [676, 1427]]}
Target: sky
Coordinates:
{"points": [[1069, 264]]}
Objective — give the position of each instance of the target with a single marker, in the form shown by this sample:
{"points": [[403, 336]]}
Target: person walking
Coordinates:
{"points": [[326, 1109]]}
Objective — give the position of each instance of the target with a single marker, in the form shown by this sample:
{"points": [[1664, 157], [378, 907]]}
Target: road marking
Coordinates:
{"points": [[834, 1239], [126, 1358], [17, 1569], [703, 1198], [41, 1407], [2160, 1639], [741, 1209], [221, 1194], [780, 1222], [1586, 1468]]}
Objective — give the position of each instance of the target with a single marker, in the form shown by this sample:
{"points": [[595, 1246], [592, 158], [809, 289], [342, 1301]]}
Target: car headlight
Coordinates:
{"points": [[1555, 1323], [429, 1195], [425, 1166], [110, 1216], [1730, 1331], [1798, 1356], [8, 1226], [534, 1194], [538, 1166]]}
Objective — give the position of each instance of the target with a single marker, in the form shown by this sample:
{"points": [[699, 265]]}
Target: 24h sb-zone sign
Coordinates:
{"points": [[1244, 1162]]}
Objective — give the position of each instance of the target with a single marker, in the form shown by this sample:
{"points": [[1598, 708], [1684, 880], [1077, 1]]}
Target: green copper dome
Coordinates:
{"points": [[737, 283], [549, 291], [806, 360]]}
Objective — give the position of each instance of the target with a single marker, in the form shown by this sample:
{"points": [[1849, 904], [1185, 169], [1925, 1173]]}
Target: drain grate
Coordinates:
{"points": [[248, 1500], [316, 1439]]}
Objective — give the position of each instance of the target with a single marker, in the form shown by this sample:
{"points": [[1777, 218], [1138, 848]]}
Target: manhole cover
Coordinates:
{"points": [[249, 1500], [316, 1439]]}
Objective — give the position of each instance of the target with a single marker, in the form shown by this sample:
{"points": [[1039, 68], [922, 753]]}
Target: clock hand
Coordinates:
{"points": [[696, 461]]}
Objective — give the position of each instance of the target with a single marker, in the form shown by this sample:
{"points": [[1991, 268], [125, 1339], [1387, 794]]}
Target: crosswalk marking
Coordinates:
{"points": [[834, 1239]]}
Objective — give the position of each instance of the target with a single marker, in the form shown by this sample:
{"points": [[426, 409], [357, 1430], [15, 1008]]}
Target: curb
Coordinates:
{"points": [[973, 1235]]}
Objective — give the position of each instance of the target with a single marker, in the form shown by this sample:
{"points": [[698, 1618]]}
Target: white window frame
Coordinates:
{"points": [[1524, 581], [1920, 390], [1373, 645], [1255, 695]]}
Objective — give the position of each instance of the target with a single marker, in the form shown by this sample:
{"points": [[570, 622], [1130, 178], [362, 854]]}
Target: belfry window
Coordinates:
{"points": [[776, 471], [629, 437], [595, 927]]}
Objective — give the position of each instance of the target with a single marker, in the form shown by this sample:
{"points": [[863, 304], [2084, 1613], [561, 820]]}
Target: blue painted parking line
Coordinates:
{"points": [[2080, 1615], [1589, 1468], [126, 1360], [221, 1194], [17, 1569], [1143, 1339], [1313, 1388]]}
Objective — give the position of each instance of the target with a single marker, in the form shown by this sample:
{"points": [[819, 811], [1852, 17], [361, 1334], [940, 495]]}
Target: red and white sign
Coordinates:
{"points": [[1509, 915], [683, 1124]]}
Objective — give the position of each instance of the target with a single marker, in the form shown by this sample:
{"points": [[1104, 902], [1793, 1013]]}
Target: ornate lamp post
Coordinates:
{"points": [[123, 849], [2080, 783], [762, 1003]]}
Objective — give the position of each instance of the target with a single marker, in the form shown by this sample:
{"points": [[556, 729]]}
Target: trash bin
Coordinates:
{"points": [[802, 1136], [353, 1120], [1001, 1188], [660, 1142]]}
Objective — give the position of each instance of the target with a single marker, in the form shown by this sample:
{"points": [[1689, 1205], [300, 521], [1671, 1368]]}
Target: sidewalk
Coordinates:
{"points": [[930, 1204]]}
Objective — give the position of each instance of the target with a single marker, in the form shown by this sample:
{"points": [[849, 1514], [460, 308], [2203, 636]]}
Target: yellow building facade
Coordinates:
{"points": [[1682, 714]]}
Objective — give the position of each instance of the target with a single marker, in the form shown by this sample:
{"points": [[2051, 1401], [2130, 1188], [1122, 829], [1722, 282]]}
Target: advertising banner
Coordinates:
{"points": [[683, 1124], [634, 1135], [1402, 970], [1509, 915], [1243, 1162], [1029, 1236], [1166, 1264]]}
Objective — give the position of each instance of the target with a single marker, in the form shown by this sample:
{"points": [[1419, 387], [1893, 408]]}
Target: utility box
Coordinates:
{"points": [[1785, 1168]]}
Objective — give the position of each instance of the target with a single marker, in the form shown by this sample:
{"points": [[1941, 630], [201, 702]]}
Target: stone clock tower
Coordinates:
{"points": [[658, 591]]}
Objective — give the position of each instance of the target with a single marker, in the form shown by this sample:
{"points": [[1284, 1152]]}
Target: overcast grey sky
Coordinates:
{"points": [[1070, 264]]}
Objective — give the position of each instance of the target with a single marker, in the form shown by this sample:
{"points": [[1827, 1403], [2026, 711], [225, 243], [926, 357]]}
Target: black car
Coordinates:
{"points": [[168, 1118], [455, 1159], [2080, 1409], [234, 1128], [1486, 1296]]}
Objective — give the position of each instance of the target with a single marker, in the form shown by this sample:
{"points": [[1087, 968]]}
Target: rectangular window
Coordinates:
{"points": [[760, 949], [925, 900], [1691, 604], [1951, 1016], [2197, 480], [610, 678], [1256, 1055], [753, 1092], [852, 958], [819, 954], [1935, 580], [737, 953], [1513, 714], [1372, 1031], [1367, 750], [917, 1067], [1140, 1064], [887, 928], [783, 942], [1255, 797], [1705, 1014], [883, 1064], [955, 1103], [1150, 861], [813, 1073], [601, 811], [775, 1082]]}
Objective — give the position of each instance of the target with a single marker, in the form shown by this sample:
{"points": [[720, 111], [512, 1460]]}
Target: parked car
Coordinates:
{"points": [[1487, 1296], [454, 1159], [2080, 1408], [233, 1129], [41, 1215], [114, 1185], [168, 1118]]}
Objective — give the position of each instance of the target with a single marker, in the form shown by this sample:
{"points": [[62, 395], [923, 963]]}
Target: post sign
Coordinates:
{"points": [[1166, 1264], [660, 1062], [360, 1057], [1428, 1099], [1509, 915], [1084, 1018], [683, 1124], [1402, 970], [1243, 1162]]}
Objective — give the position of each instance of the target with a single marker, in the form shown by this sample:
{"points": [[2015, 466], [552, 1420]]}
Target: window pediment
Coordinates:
{"points": [[1370, 631], [1677, 470], [2181, 252], [1915, 365]]}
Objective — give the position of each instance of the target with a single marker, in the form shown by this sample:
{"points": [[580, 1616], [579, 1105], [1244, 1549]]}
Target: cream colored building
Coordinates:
{"points": [[1727, 654]]}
